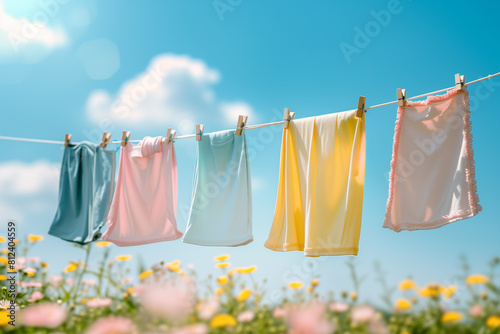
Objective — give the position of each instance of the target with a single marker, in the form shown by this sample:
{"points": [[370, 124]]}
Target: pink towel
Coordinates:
{"points": [[432, 179], [145, 200]]}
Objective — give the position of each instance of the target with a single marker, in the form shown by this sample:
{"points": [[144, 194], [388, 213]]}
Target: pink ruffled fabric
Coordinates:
{"points": [[430, 197]]}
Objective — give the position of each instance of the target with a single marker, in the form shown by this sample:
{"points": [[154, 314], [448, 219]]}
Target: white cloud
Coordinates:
{"points": [[27, 188], [28, 40], [174, 90]]}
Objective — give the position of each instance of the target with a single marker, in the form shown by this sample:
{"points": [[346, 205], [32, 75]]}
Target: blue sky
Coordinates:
{"points": [[254, 58]]}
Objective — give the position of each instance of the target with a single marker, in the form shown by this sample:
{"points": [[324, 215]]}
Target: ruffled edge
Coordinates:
{"points": [[470, 169], [434, 98], [392, 173]]}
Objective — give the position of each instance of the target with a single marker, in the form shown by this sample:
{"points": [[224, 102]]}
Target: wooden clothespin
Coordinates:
{"points": [[361, 107], [401, 97], [170, 135], [106, 137], [67, 139], [287, 117], [199, 131], [242, 122], [125, 137], [459, 82]]}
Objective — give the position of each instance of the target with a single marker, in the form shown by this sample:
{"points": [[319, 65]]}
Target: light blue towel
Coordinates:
{"points": [[85, 192], [221, 205]]}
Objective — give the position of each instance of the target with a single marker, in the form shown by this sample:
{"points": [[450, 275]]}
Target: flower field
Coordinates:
{"points": [[107, 298]]}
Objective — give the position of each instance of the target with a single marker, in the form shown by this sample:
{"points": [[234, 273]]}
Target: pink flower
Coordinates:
{"points": [[20, 263], [89, 282], [377, 325], [192, 329], [208, 308], [308, 319], [246, 316], [37, 295], [70, 281], [476, 311], [33, 259], [339, 307], [5, 304], [362, 314], [55, 280], [48, 315], [279, 312], [30, 284], [173, 301], [99, 302], [30, 270], [112, 325]]}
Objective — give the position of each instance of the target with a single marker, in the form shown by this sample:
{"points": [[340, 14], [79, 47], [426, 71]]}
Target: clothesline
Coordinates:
{"points": [[257, 126]]}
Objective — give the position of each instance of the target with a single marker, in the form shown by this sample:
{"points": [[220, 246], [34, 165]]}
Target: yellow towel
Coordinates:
{"points": [[320, 192]]}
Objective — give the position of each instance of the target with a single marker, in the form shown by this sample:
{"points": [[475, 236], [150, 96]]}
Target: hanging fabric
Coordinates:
{"points": [[145, 200], [85, 192], [432, 178], [221, 205], [320, 192]]}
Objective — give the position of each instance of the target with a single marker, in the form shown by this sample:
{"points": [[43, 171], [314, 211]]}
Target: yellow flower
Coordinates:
{"points": [[3, 277], [430, 291], [44, 264], [34, 238], [174, 266], [403, 304], [4, 261], [314, 282], [219, 291], [4, 318], [476, 279], [295, 285], [16, 241], [450, 291], [493, 321], [102, 244], [2, 239], [123, 257], [130, 290], [222, 320], [246, 270], [30, 274], [145, 274], [223, 265], [354, 295], [222, 280], [244, 295], [310, 289], [5, 251], [72, 267], [407, 284], [451, 316], [221, 258], [83, 301]]}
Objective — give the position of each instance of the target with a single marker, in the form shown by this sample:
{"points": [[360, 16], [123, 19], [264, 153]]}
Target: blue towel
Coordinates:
{"points": [[221, 207], [85, 192]]}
